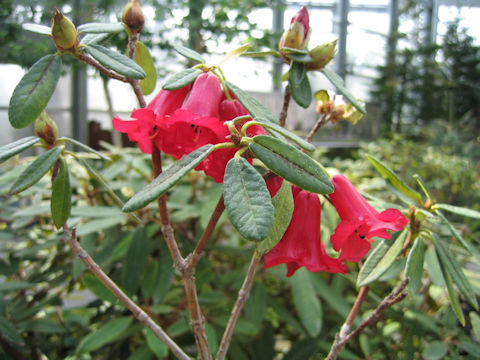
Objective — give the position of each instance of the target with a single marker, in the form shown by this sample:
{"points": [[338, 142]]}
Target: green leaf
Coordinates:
{"points": [[289, 50], [98, 225], [94, 38], [254, 107], [189, 53], [96, 211], [37, 28], [181, 79], [394, 180], [8, 330], [306, 302], [99, 28], [235, 53], [98, 288], [283, 204], [149, 279], [155, 344], [85, 147], [459, 210], [452, 294], [167, 179], [256, 304], [9, 150], [115, 61], [291, 164], [338, 83], [145, 60], [453, 267], [164, 276], [381, 258], [414, 267], [15, 285], [60, 203], [301, 58], [475, 321], [35, 171], [247, 200], [288, 134], [212, 339], [43, 326], [454, 232], [103, 335], [435, 350], [34, 90], [135, 261], [299, 84]]}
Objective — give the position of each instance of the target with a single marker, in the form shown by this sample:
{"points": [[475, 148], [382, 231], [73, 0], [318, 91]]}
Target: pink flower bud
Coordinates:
{"points": [[297, 34]]}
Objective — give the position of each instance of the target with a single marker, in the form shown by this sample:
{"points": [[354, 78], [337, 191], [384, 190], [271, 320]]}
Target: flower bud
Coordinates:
{"points": [[133, 16], [46, 128], [297, 34], [64, 33], [321, 55]]}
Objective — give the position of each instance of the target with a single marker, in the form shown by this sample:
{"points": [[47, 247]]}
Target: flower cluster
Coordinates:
{"points": [[181, 121]]}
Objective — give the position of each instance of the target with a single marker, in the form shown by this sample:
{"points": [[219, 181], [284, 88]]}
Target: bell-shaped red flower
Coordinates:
{"points": [[301, 244], [360, 222]]}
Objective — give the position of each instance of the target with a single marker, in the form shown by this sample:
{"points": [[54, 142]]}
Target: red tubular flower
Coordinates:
{"points": [[301, 244], [359, 221]]}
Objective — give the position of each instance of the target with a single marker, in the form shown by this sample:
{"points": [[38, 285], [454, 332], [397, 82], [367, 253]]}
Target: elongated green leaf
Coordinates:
{"points": [[135, 261], [380, 260], [15, 285], [436, 350], [235, 53], [414, 267], [34, 91], [103, 335], [338, 83], [291, 164], [94, 38], [475, 321], [98, 225], [167, 179], [394, 180], [453, 267], [256, 305], [459, 210], [247, 200], [98, 288], [189, 53], [60, 203], [296, 74], [95, 211], [86, 148], [145, 60], [98, 28], [9, 150], [155, 344], [35, 171], [306, 302], [115, 61], [43, 326], [149, 279], [254, 107], [455, 233], [181, 79], [283, 205], [8, 330], [288, 134], [452, 294], [37, 28]]}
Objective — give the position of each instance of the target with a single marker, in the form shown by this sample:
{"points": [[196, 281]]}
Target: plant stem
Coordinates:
{"points": [[342, 338], [286, 103], [71, 240], [237, 308], [324, 118], [362, 294], [132, 45], [108, 73]]}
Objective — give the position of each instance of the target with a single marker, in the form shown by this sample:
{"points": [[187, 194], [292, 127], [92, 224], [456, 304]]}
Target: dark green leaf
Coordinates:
{"points": [[381, 258], [15, 285], [98, 288], [291, 164], [34, 91], [155, 344], [86, 148], [283, 205], [8, 330], [181, 79], [145, 60], [459, 210], [452, 294], [42, 326], [135, 261], [211, 338], [189, 53], [35, 171], [306, 302], [37, 28], [247, 200], [9, 150], [453, 267], [471, 348], [475, 321], [256, 304], [98, 28], [288, 134], [332, 296], [455, 233], [414, 267], [60, 203], [254, 107], [164, 277], [435, 350], [167, 179], [394, 180], [98, 225], [115, 61], [296, 74], [299, 84], [149, 279], [103, 335], [338, 83]]}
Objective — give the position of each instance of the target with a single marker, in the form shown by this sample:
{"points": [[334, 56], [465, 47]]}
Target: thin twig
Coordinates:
{"points": [[362, 294], [70, 239], [237, 308], [341, 340], [132, 45], [286, 103], [323, 120]]}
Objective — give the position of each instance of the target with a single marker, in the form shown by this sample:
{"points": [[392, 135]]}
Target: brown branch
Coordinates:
{"points": [[108, 73], [323, 120], [70, 239], [286, 103], [362, 294], [132, 45], [237, 308], [341, 339]]}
